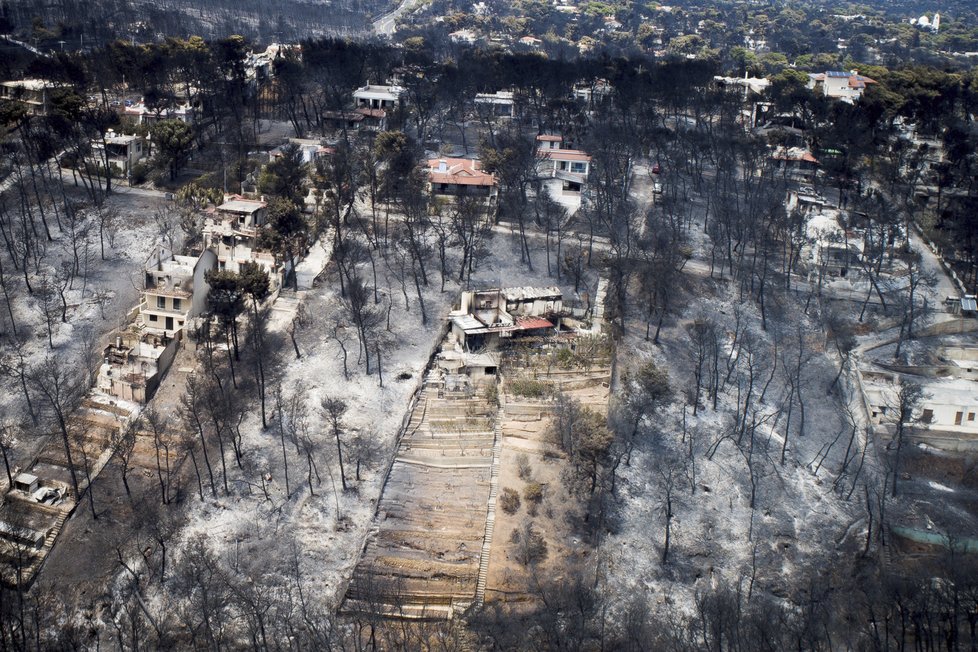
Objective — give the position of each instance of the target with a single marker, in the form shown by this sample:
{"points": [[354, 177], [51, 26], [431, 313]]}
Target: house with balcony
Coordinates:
{"points": [[32, 94], [174, 291], [140, 114], [557, 161], [232, 232]]}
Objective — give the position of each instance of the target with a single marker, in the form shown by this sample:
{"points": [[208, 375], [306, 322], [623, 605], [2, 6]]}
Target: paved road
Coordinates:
{"points": [[117, 187], [386, 23], [26, 46]]}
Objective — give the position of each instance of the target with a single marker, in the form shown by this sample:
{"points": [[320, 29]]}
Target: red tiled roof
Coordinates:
{"points": [[459, 171], [794, 154], [531, 323], [565, 154], [859, 81]]}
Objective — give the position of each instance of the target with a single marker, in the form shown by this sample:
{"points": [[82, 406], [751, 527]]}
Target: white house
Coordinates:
{"points": [[174, 291], [231, 232], [142, 115], [571, 166], [951, 405], [495, 105], [32, 94], [594, 92], [466, 36], [378, 97], [845, 86], [121, 150]]}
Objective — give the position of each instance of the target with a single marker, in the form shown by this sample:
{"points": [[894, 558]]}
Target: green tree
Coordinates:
{"points": [[172, 140], [284, 175], [286, 233], [225, 300], [254, 283]]}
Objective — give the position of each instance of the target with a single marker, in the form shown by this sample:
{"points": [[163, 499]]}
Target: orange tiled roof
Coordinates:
{"points": [[565, 155], [459, 171]]}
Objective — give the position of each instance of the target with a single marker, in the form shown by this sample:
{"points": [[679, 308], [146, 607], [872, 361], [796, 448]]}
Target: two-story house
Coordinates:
{"points": [[845, 86], [231, 231], [174, 291], [121, 150], [32, 94], [571, 166]]}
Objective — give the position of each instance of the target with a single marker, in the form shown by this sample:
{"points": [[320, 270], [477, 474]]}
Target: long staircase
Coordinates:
{"points": [[497, 446]]}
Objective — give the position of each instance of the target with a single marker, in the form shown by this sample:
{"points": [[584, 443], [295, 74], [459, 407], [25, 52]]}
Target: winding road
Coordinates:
{"points": [[386, 24]]}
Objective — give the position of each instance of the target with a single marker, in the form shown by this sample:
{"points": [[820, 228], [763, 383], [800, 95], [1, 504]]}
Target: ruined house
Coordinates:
{"points": [[485, 317], [231, 231], [137, 357]]}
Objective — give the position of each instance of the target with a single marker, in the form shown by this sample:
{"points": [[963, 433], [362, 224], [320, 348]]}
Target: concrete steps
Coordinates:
{"points": [[480, 591]]}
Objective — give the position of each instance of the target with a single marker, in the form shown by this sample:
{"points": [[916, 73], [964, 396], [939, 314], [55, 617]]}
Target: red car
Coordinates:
{"points": [[656, 168]]}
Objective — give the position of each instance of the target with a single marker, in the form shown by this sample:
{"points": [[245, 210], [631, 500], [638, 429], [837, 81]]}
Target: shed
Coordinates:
{"points": [[26, 482], [969, 305]]}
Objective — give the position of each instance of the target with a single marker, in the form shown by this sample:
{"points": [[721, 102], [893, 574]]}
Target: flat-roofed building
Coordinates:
{"points": [[32, 94], [375, 96]]}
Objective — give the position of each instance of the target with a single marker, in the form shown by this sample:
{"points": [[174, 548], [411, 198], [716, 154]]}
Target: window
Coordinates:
{"points": [[971, 416], [578, 167], [153, 318], [957, 418], [161, 302], [176, 304], [927, 416]]}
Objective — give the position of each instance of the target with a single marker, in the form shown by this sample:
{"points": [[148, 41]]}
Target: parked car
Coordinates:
{"points": [[656, 168]]}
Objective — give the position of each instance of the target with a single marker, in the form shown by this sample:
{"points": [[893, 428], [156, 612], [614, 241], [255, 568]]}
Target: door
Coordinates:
{"points": [[169, 323]]}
